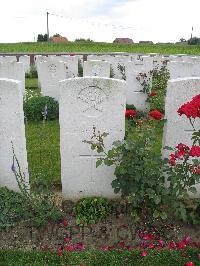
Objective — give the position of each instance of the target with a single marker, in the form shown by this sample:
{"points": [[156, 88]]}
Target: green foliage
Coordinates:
{"points": [[39, 204], [42, 38], [31, 83], [80, 69], [160, 76], [33, 73], [83, 40], [121, 68], [42, 140], [34, 108], [37, 208], [90, 47], [98, 258], [194, 41], [90, 210], [137, 175], [12, 208], [56, 35], [112, 75], [159, 86]]}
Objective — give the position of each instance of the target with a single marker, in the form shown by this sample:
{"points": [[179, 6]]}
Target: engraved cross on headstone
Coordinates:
{"points": [[93, 158]]}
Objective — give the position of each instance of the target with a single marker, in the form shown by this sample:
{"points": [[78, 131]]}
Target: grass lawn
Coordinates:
{"points": [[99, 47], [43, 147], [100, 258], [31, 83]]}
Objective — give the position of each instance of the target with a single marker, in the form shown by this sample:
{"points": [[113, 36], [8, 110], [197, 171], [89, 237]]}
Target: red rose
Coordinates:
{"points": [[153, 93], [195, 151], [60, 251], [189, 263], [65, 222], [172, 160], [130, 114], [144, 254], [157, 115], [191, 109]]}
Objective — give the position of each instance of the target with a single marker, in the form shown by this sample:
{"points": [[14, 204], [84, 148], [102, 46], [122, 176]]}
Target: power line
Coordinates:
{"points": [[97, 23]]}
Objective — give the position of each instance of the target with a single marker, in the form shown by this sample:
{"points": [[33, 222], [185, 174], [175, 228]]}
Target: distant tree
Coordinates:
{"points": [[182, 40], [42, 38], [57, 35], [83, 40], [194, 41]]}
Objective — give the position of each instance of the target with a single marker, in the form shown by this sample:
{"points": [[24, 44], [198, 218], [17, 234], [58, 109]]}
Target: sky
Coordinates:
{"points": [[100, 20]]}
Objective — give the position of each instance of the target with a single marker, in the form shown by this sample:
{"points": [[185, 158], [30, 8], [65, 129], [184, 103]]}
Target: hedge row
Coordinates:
{"points": [[100, 258]]}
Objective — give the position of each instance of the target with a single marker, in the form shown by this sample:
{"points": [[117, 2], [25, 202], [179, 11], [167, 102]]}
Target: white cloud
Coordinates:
{"points": [[155, 20]]}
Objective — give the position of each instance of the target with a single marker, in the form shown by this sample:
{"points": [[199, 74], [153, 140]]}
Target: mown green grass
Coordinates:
{"points": [[99, 47], [43, 147], [99, 258], [31, 83]]}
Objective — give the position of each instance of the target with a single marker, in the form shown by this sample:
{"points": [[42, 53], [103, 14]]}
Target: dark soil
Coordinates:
{"points": [[117, 227]]}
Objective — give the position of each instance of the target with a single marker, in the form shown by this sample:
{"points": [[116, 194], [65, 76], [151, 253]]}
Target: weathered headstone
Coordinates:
{"points": [[178, 129], [182, 69], [25, 59], [96, 68], [134, 94], [8, 59], [12, 132], [13, 70], [86, 103], [179, 91], [50, 72]]}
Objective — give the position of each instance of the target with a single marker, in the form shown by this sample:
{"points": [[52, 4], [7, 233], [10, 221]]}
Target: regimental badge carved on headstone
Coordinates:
{"points": [[91, 100]]}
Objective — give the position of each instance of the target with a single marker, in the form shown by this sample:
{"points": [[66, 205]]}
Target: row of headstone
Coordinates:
{"points": [[85, 103]]}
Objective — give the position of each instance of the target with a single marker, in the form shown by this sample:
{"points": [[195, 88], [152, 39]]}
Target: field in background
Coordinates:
{"points": [[99, 47]]}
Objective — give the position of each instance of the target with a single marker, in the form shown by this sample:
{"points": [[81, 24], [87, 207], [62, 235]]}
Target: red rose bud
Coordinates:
{"points": [[144, 254], [65, 222], [67, 239], [60, 252], [157, 115], [130, 114], [152, 94], [189, 263]]}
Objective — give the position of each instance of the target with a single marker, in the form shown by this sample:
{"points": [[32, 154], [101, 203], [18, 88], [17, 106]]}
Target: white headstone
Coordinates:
{"points": [[8, 59], [25, 59], [96, 68], [182, 69], [134, 94], [50, 73], [12, 130], [86, 103], [13, 70], [178, 129]]}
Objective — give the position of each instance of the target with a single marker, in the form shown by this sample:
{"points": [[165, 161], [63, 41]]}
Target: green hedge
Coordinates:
{"points": [[100, 258]]}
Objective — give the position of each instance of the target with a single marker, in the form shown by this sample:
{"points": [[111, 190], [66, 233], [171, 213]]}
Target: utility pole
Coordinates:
{"points": [[47, 26], [191, 32]]}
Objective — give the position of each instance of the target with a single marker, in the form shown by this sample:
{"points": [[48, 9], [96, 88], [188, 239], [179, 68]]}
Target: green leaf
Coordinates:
{"points": [[193, 190], [168, 148], [163, 215], [157, 199], [99, 162], [156, 214]]}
